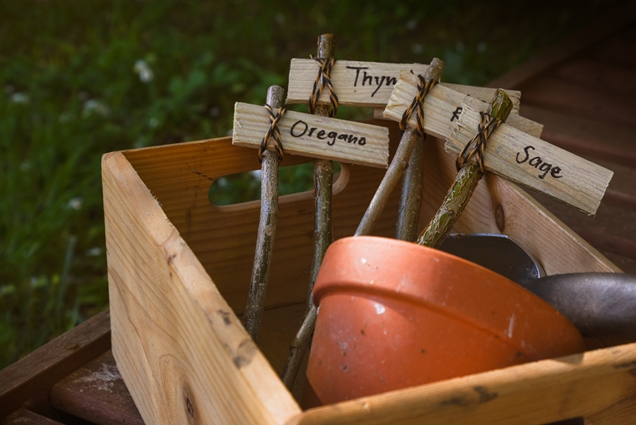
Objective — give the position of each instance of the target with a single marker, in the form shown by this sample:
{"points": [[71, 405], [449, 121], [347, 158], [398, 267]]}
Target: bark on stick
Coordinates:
{"points": [[266, 230], [411, 197], [398, 164], [462, 189], [323, 236]]}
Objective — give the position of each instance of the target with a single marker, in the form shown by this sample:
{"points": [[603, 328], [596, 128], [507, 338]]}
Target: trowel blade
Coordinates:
{"points": [[496, 252]]}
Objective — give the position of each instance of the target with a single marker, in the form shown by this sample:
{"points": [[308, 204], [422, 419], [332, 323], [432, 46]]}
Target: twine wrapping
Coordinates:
{"points": [[487, 126], [417, 105], [273, 133], [323, 79]]}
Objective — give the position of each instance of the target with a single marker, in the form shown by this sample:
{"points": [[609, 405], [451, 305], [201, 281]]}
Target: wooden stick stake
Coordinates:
{"points": [[514, 153], [463, 187], [398, 164], [299, 347], [266, 229], [323, 184], [314, 136], [411, 198]]}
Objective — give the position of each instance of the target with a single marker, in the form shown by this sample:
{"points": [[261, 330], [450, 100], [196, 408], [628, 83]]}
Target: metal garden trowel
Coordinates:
{"points": [[598, 304]]}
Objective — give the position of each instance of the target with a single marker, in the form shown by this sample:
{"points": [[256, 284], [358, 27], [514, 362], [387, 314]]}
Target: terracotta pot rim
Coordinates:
{"points": [[364, 264]]}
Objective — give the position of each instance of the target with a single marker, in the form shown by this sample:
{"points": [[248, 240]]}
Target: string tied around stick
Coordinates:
{"points": [[477, 145], [323, 79], [273, 133], [417, 105]]}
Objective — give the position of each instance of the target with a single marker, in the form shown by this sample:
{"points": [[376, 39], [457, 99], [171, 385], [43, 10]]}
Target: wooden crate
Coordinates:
{"points": [[179, 270]]}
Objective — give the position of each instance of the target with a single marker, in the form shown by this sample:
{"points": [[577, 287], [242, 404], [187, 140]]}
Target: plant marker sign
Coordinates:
{"points": [[356, 83], [371, 84], [510, 153], [314, 136]]}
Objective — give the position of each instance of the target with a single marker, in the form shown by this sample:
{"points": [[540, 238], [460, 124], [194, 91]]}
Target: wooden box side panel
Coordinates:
{"points": [[181, 350], [599, 385], [223, 239], [498, 206]]}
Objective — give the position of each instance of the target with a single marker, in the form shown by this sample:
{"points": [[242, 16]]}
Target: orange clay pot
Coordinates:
{"points": [[394, 314]]}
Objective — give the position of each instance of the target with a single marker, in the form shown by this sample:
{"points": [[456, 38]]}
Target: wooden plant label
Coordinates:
{"points": [[443, 105], [356, 83], [533, 162], [314, 136], [367, 83]]}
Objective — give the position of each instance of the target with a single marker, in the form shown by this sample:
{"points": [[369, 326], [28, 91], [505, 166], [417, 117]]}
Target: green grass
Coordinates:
{"points": [[71, 90]]}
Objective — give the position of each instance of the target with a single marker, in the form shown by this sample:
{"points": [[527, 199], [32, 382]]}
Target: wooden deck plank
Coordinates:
{"points": [[33, 376], [627, 265], [94, 392], [26, 417], [622, 190], [585, 136], [586, 103], [603, 76], [97, 393], [613, 22], [581, 100], [613, 229], [619, 50], [611, 147]]}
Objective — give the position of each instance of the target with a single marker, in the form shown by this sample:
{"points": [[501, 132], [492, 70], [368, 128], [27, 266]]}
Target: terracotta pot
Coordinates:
{"points": [[394, 314]]}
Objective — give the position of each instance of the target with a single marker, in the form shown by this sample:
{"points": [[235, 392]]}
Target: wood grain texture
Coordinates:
{"points": [[175, 335], [510, 153], [331, 138], [356, 83], [601, 139], [279, 328], [31, 377], [582, 94], [96, 393], [442, 107], [468, 176], [179, 176], [223, 238], [614, 21], [618, 50], [27, 417], [226, 251], [601, 230], [400, 160], [601, 76], [583, 100], [620, 413], [184, 355], [366, 83], [580, 385], [266, 234], [499, 206]]}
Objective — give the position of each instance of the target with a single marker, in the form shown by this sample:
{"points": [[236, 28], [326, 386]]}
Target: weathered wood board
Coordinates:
{"points": [[552, 390], [584, 186], [179, 269], [356, 83], [314, 136], [443, 106], [533, 162], [365, 83], [180, 348]]}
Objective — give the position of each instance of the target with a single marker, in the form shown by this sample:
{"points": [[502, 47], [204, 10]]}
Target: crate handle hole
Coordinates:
{"points": [[295, 182]]}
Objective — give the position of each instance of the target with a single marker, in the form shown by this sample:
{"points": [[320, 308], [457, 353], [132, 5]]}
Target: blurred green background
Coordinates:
{"points": [[82, 78]]}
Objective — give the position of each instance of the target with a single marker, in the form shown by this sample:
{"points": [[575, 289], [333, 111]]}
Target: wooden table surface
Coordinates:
{"points": [[582, 90]]}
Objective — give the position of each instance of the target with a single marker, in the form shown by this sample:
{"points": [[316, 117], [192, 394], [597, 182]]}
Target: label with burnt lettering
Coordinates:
{"points": [[542, 165], [530, 161], [314, 136], [355, 83]]}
